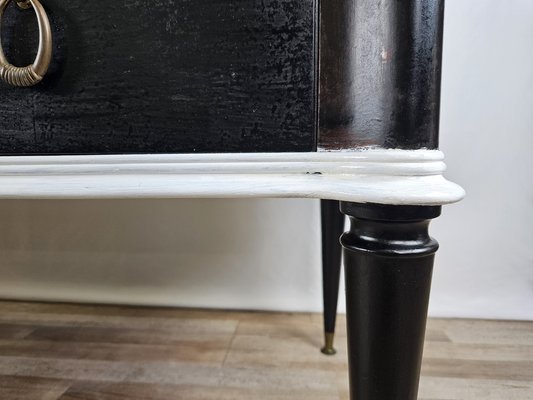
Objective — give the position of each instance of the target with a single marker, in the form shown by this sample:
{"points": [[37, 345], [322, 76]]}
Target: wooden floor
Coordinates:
{"points": [[73, 352]]}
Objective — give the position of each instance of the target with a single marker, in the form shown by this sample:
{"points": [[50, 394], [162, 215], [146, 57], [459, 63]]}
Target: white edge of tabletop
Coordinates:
{"points": [[367, 176]]}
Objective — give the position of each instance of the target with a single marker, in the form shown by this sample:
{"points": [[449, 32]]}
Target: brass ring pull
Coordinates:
{"points": [[34, 73]]}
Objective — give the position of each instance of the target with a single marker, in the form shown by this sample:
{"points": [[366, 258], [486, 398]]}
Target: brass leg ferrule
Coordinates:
{"points": [[328, 347]]}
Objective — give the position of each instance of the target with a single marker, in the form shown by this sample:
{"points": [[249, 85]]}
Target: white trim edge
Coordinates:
{"points": [[377, 176]]}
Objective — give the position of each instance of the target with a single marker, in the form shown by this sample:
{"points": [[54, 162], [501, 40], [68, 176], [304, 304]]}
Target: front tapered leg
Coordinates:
{"points": [[332, 227], [388, 264]]}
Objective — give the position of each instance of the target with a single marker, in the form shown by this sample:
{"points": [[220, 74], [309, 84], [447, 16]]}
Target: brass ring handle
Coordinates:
{"points": [[34, 73]]}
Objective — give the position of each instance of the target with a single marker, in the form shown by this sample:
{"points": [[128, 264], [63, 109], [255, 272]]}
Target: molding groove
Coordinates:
{"points": [[367, 176]]}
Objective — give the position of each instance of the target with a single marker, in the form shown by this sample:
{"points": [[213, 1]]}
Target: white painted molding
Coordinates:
{"points": [[377, 176]]}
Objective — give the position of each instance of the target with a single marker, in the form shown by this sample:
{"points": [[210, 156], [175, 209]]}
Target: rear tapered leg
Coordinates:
{"points": [[388, 258], [332, 228]]}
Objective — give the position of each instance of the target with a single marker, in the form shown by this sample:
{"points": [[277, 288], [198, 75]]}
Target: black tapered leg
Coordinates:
{"points": [[388, 264], [332, 228]]}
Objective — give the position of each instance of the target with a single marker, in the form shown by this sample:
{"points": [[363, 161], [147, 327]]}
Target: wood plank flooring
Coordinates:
{"points": [[85, 352]]}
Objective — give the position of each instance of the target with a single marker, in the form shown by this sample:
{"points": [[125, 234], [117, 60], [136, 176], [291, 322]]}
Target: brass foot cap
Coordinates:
{"points": [[328, 347], [329, 351]]}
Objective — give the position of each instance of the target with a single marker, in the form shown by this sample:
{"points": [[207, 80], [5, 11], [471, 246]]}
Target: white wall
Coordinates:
{"points": [[206, 253], [265, 254], [485, 266]]}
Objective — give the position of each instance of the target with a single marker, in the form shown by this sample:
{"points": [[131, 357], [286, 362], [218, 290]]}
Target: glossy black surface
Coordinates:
{"points": [[388, 258], [380, 67], [164, 76]]}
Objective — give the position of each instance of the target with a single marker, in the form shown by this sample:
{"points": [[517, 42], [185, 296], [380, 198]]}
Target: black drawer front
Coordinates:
{"points": [[164, 76]]}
